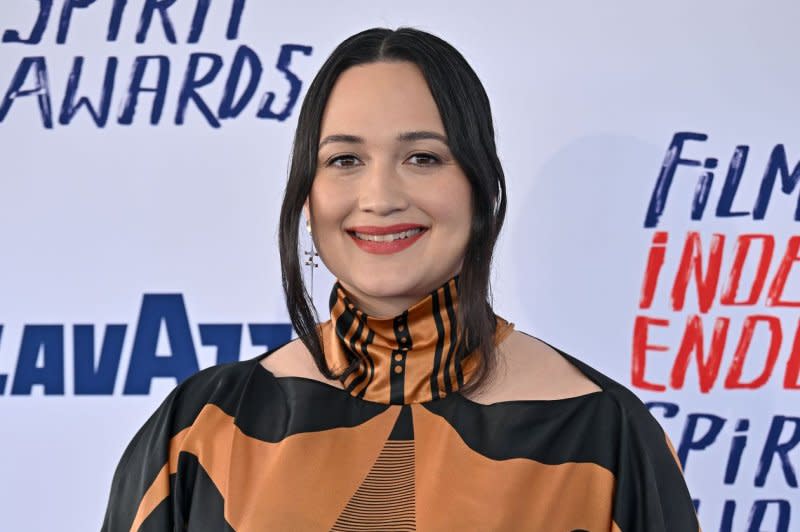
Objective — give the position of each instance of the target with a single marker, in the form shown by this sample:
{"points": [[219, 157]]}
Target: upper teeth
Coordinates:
{"points": [[388, 237]]}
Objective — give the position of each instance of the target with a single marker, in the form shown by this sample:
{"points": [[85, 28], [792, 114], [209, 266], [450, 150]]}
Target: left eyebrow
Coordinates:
{"points": [[410, 136]]}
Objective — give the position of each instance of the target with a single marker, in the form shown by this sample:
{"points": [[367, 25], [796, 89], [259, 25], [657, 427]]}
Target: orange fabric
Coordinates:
{"points": [[420, 321], [526, 490], [386, 497], [400, 468], [159, 489], [262, 482]]}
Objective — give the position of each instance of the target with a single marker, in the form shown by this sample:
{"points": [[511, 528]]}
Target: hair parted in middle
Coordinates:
{"points": [[466, 115]]}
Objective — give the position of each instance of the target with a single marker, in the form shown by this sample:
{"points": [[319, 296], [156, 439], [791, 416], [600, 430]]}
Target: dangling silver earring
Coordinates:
{"points": [[311, 260]]}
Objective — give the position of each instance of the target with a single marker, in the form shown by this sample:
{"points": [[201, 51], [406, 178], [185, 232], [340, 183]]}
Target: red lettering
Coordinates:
{"points": [[734, 378], [655, 260], [791, 381], [692, 262], [707, 368], [640, 348], [742, 248], [775, 293]]}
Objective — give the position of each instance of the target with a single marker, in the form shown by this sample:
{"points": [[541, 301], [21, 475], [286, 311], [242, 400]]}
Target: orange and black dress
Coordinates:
{"points": [[397, 448]]}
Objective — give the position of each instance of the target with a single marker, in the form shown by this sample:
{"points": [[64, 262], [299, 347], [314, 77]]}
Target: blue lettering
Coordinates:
{"points": [[41, 89], [190, 84], [38, 27], [773, 447], [777, 165], [737, 448], [670, 409], [99, 380], [235, 20], [728, 511], [671, 162], [147, 16], [688, 441], [703, 188], [270, 335], [284, 58], [731, 185], [69, 107], [227, 337], [116, 18], [227, 107], [48, 339], [160, 90], [66, 16], [760, 509], [198, 21], [145, 363], [96, 365]]}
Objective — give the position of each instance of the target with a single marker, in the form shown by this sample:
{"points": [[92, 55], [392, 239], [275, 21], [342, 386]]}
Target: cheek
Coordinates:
{"points": [[328, 208], [451, 205], [455, 216]]}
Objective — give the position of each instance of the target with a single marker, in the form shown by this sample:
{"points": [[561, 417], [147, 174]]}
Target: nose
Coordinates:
{"points": [[381, 190]]}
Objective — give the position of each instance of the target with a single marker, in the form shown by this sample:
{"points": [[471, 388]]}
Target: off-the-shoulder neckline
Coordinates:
{"points": [[510, 402]]}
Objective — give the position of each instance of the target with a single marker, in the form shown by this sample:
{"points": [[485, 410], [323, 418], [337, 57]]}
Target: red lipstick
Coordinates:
{"points": [[385, 247]]}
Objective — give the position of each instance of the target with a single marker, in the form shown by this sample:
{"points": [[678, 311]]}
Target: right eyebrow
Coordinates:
{"points": [[352, 139]]}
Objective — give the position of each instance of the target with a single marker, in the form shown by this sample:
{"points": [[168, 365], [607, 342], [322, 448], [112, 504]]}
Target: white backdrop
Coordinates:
{"points": [[149, 236]]}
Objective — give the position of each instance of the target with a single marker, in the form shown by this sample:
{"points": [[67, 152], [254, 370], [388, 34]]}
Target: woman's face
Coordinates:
{"points": [[390, 207]]}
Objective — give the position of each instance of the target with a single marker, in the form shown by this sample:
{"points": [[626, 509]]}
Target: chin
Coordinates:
{"points": [[391, 284], [384, 284]]}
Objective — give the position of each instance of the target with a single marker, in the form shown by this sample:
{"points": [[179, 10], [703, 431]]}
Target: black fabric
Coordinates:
{"points": [[437, 357], [160, 519], [450, 359], [148, 450], [650, 486], [327, 407], [201, 502], [502, 431], [404, 340], [195, 506], [404, 426], [610, 428]]}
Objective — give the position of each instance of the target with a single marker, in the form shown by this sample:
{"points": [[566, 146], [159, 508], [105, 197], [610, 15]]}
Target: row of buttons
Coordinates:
{"points": [[401, 331]]}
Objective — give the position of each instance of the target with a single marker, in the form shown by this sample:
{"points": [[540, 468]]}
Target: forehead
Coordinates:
{"points": [[380, 99]]}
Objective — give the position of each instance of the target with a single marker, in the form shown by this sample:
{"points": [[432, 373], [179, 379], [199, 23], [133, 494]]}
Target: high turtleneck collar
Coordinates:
{"points": [[410, 358]]}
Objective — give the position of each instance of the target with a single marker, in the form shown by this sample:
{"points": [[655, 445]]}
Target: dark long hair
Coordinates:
{"points": [[466, 114]]}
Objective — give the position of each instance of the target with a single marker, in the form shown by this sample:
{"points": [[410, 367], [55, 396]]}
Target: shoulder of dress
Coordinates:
{"points": [[219, 376], [634, 417], [602, 380], [625, 399], [222, 385]]}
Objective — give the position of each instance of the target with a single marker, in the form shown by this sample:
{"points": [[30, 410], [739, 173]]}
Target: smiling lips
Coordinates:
{"points": [[388, 239]]}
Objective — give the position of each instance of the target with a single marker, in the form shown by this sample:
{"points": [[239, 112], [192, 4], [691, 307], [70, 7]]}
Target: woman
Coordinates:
{"points": [[414, 407]]}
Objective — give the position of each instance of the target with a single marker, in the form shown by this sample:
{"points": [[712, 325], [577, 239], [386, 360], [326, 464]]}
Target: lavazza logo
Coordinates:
{"points": [[42, 354]]}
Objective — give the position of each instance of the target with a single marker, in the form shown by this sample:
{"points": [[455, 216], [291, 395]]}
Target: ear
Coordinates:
{"points": [[307, 209]]}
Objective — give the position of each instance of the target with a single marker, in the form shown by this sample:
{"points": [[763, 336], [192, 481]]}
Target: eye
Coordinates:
{"points": [[425, 159], [343, 161]]}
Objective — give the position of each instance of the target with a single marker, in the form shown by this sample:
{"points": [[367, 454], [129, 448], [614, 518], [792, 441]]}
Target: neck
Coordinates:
{"points": [[413, 355], [382, 306], [389, 306]]}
